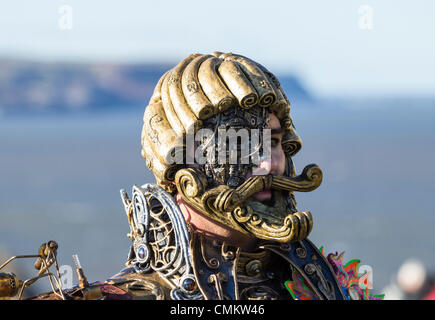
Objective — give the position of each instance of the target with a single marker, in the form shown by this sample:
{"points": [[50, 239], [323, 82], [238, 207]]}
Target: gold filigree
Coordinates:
{"points": [[231, 206], [226, 253], [217, 279], [212, 263]]}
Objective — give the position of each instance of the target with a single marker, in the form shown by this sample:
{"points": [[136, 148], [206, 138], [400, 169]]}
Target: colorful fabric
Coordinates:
{"points": [[299, 289], [353, 285]]}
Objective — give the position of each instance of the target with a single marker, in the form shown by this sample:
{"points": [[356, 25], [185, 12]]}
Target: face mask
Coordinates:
{"points": [[199, 106]]}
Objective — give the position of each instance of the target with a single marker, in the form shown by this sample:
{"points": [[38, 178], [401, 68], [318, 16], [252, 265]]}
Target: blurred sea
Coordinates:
{"points": [[60, 178]]}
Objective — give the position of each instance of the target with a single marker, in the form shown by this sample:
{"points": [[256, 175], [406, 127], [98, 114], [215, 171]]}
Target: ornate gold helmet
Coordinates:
{"points": [[191, 104]]}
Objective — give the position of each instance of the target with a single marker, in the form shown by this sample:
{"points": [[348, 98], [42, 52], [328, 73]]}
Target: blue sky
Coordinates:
{"points": [[321, 41]]}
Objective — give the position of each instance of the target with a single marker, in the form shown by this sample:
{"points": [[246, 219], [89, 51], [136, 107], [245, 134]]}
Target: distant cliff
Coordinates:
{"points": [[36, 87]]}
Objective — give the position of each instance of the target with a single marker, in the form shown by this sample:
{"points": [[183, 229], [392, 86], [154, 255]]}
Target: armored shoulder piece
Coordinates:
{"points": [[160, 239]]}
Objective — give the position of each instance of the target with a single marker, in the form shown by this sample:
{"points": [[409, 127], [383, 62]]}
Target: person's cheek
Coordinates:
{"points": [[282, 164], [279, 161]]}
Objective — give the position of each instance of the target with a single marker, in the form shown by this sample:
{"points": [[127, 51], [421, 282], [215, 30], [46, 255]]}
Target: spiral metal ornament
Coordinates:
{"points": [[191, 182], [160, 238]]}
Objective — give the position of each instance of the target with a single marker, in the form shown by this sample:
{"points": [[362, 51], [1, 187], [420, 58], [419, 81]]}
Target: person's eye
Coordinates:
{"points": [[275, 142]]}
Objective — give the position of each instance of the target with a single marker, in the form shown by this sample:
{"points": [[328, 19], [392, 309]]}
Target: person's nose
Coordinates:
{"points": [[265, 167]]}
